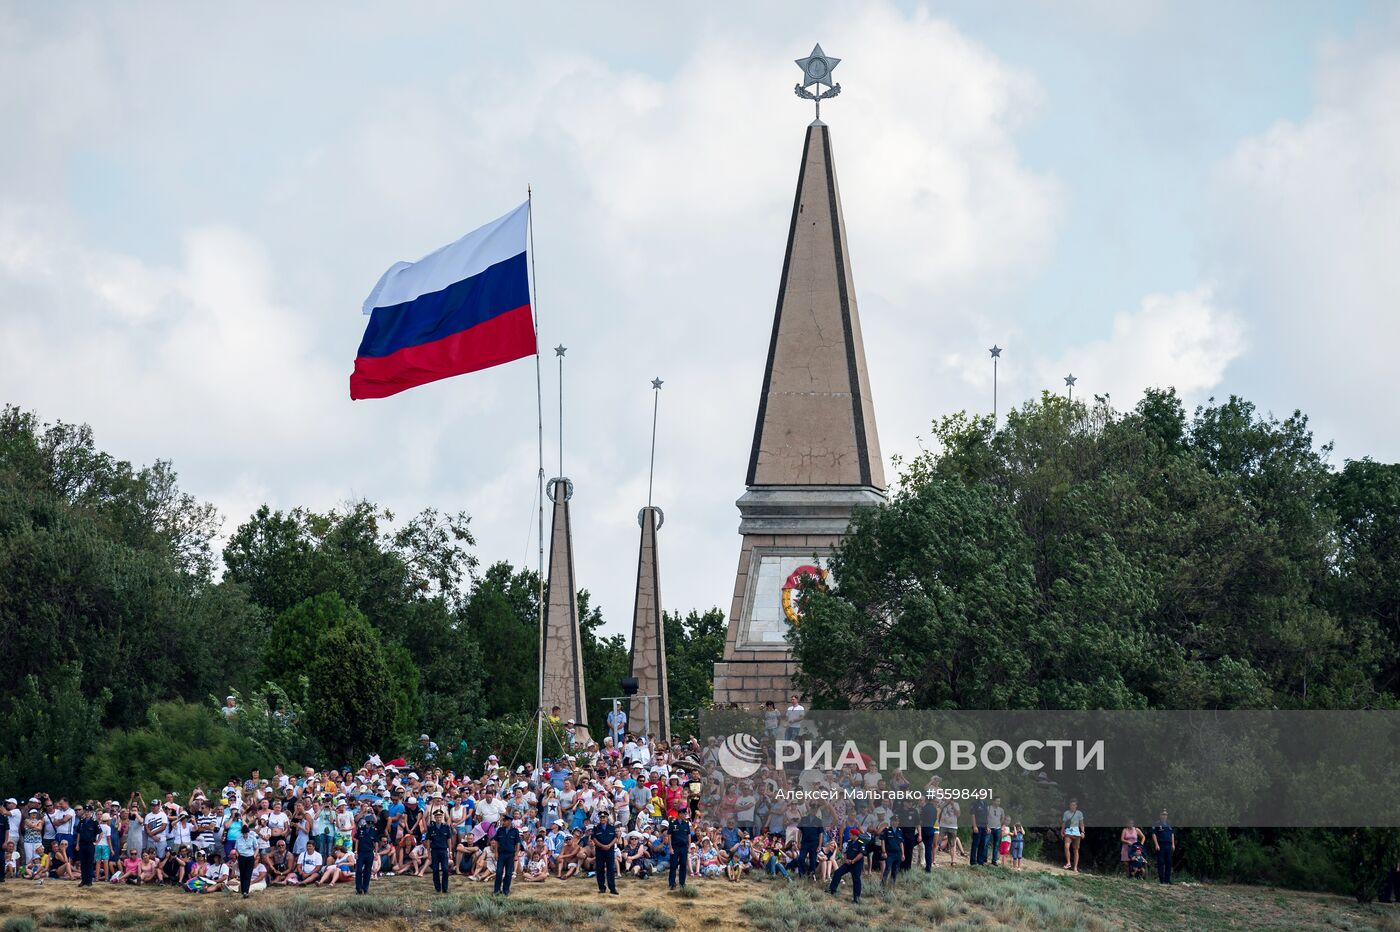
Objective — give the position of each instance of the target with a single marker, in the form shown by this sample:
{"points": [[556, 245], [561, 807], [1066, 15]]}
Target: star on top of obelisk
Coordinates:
{"points": [[656, 383], [816, 72]]}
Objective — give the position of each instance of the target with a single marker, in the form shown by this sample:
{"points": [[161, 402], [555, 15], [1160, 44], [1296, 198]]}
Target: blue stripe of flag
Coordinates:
{"points": [[502, 287]]}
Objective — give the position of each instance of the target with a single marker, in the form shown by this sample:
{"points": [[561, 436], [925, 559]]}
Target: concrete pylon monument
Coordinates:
{"points": [[816, 454], [649, 632], [563, 646]]}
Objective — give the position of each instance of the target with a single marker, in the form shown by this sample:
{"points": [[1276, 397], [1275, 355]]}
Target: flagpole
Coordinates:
{"points": [[539, 411]]}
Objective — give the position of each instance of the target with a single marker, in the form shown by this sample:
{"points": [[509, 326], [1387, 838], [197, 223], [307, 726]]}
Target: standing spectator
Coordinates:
{"points": [[230, 707], [948, 813], [1131, 835], [155, 825], [1072, 825], [995, 817], [617, 723], [246, 848], [1164, 843], [795, 714], [64, 823], [89, 830], [771, 728], [978, 854]]}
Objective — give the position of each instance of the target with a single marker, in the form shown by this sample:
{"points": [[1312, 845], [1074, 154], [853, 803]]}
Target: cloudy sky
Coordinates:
{"points": [[195, 199]]}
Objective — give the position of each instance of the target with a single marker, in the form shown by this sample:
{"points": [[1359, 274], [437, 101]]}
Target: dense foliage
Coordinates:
{"points": [[1079, 557], [337, 633]]}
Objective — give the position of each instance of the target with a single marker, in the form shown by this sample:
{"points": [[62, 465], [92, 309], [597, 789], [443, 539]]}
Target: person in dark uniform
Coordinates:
{"points": [[366, 837], [86, 835], [605, 853], [681, 836], [978, 854], [928, 831], [810, 828], [893, 841], [1164, 843], [908, 826], [507, 845], [852, 860], [439, 838], [5, 834]]}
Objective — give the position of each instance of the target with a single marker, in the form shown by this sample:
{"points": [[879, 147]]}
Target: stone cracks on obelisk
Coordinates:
{"points": [[649, 633], [816, 453], [563, 647]]}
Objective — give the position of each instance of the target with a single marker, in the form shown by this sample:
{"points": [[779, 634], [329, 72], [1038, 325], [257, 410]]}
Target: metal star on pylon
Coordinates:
{"points": [[656, 383], [1070, 380], [560, 350], [817, 67], [995, 351]]}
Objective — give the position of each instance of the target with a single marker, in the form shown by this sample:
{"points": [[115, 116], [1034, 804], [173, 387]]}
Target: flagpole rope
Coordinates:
{"points": [[539, 412]]}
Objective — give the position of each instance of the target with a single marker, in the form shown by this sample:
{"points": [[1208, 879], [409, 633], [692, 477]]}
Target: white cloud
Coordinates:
{"points": [[1183, 340], [223, 339], [1307, 238]]}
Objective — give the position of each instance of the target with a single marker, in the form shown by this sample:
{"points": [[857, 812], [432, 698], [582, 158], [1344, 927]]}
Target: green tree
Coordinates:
{"points": [[49, 724], [1104, 559], [350, 705], [694, 644], [1365, 589], [296, 636]]}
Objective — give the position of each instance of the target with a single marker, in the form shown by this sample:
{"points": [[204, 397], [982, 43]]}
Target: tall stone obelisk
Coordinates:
{"points": [[649, 632], [563, 646], [816, 454]]}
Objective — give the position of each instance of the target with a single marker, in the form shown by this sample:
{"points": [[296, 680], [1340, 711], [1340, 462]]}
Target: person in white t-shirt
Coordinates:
{"points": [[489, 808], [309, 865], [157, 827], [795, 714]]}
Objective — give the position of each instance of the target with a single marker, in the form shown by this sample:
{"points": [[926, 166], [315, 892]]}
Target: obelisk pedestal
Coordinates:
{"points": [[649, 632], [563, 646]]}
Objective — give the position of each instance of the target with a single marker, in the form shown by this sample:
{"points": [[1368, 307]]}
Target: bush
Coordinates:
{"points": [[1209, 853], [182, 745], [68, 917], [653, 918]]}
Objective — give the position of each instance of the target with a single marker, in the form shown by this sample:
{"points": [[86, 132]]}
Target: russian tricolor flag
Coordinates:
{"points": [[462, 308]]}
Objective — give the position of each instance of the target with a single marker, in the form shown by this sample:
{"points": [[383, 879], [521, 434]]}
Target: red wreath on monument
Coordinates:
{"points": [[794, 583]]}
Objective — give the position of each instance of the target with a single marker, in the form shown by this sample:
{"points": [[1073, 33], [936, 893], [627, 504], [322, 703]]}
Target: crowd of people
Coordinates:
{"points": [[628, 807]]}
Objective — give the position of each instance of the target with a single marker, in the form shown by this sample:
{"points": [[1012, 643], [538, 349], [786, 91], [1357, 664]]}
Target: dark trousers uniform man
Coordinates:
{"points": [[87, 833], [910, 834], [366, 836], [811, 844], [852, 863], [439, 836], [1164, 839], [605, 851], [893, 840], [507, 845], [680, 851]]}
